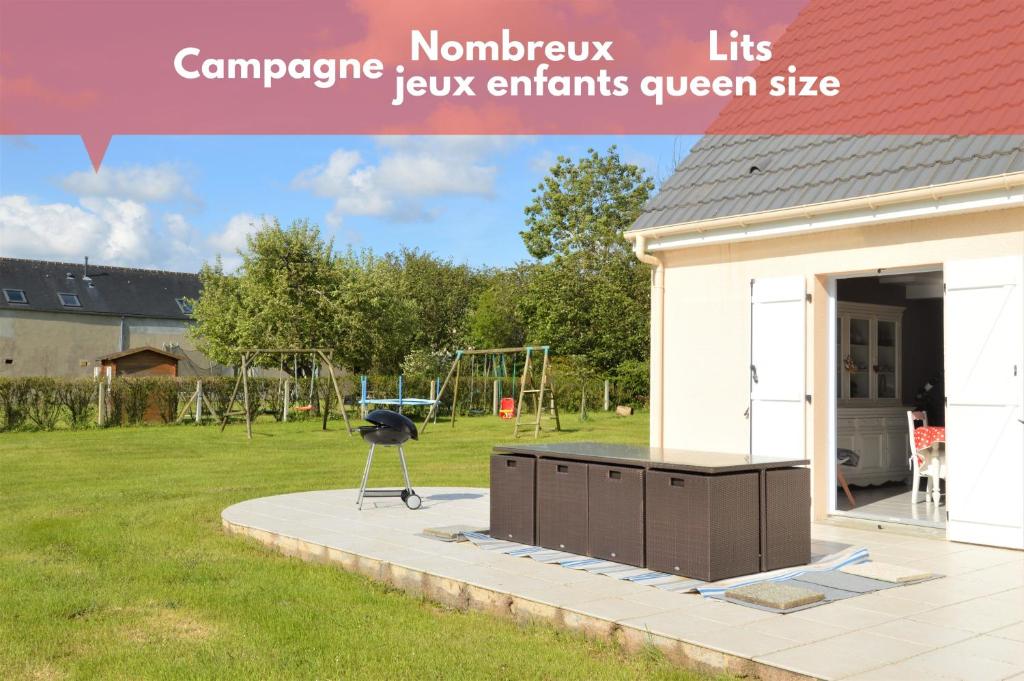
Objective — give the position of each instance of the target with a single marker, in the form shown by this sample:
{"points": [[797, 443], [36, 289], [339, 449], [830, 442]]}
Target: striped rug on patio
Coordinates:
{"points": [[833, 561]]}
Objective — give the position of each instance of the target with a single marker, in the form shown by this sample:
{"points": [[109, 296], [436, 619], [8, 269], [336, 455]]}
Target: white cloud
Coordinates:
{"points": [[180, 240], [138, 183], [409, 171], [112, 230], [542, 162], [232, 238]]}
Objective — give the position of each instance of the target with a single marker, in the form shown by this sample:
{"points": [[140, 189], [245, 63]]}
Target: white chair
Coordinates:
{"points": [[934, 467]]}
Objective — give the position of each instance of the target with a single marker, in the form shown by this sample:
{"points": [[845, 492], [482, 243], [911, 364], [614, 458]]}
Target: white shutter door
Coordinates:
{"points": [[777, 361], [984, 349]]}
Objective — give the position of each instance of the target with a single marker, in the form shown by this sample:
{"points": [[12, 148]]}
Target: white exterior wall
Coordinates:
{"points": [[707, 316]]}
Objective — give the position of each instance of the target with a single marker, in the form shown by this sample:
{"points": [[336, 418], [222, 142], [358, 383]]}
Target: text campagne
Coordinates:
{"points": [[544, 57]]}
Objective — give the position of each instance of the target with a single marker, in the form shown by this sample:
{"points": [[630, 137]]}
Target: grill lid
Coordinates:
{"points": [[385, 418]]}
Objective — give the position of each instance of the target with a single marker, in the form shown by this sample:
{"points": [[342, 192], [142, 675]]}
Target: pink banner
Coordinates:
{"points": [[99, 68]]}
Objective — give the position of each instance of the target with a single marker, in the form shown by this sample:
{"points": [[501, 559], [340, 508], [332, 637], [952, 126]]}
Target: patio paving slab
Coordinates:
{"points": [[967, 626]]}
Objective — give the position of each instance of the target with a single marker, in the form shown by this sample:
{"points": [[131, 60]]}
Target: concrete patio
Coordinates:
{"points": [[968, 625]]}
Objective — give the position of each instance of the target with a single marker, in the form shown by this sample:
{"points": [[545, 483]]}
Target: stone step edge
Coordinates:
{"points": [[461, 595]]}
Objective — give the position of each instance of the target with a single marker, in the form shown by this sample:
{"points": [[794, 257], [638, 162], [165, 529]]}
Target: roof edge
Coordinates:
{"points": [[98, 266], [871, 201], [136, 350]]}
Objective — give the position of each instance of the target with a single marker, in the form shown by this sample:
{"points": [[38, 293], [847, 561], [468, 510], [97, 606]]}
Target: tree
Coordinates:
{"points": [[217, 312], [498, 319], [587, 295], [281, 295], [442, 293], [374, 319], [584, 206]]}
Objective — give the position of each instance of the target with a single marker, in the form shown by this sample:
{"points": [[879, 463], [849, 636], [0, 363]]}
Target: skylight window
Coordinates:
{"points": [[15, 295], [184, 305], [69, 300]]}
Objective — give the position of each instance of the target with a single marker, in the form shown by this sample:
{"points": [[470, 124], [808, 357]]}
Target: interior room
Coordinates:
{"points": [[889, 385]]}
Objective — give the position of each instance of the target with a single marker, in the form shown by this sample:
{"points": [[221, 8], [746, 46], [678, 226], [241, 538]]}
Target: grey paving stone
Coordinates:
{"points": [[776, 595]]}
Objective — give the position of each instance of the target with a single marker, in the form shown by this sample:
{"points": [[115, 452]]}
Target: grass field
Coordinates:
{"points": [[113, 564]]}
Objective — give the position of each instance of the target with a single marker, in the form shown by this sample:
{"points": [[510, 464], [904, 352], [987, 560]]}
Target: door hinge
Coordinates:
{"points": [[753, 373], [809, 297], [808, 398]]}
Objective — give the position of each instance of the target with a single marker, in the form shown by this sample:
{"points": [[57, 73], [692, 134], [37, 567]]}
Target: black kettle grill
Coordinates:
{"points": [[388, 429]]}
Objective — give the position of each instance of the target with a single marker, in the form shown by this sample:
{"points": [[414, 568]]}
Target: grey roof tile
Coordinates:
{"points": [[114, 291], [714, 180]]}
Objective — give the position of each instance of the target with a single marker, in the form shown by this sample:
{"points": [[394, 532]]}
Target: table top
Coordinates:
{"points": [[649, 457]]}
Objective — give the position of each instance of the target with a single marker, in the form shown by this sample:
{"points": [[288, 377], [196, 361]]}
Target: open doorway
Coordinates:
{"points": [[888, 361]]}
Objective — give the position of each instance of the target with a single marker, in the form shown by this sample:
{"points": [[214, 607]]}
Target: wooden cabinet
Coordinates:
{"points": [[868, 349], [879, 435], [870, 418]]}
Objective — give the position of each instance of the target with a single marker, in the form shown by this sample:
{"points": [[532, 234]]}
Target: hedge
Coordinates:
{"points": [[47, 403]]}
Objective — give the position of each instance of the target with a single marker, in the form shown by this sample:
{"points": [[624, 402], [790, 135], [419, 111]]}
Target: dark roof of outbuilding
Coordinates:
{"points": [[726, 175], [114, 291]]}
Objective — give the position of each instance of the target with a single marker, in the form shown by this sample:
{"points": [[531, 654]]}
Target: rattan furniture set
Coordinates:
{"points": [[702, 515]]}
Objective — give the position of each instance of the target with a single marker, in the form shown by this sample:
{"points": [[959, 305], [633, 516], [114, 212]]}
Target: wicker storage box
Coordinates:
{"points": [[703, 526], [787, 518], [562, 506], [616, 512], [512, 498]]}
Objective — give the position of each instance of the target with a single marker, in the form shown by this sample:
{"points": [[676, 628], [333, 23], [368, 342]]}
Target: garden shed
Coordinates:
{"points": [[819, 295], [142, 361]]}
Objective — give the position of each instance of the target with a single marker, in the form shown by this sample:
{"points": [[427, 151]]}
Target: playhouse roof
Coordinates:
{"points": [[726, 175], [135, 351]]}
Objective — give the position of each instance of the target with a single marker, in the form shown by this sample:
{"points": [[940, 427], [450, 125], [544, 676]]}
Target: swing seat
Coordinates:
{"points": [[507, 410]]}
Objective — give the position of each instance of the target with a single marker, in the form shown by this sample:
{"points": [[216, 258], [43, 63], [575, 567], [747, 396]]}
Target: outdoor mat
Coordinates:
{"points": [[823, 575]]}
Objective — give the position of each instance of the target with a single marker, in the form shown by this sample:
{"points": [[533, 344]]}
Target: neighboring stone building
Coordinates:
{"points": [[59, 319]]}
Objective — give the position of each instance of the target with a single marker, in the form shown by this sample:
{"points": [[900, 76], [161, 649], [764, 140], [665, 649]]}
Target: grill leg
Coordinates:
{"points": [[366, 477], [405, 469]]}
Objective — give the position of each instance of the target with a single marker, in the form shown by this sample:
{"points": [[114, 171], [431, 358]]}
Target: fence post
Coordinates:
{"points": [[101, 403], [199, 401], [607, 395], [284, 403], [494, 399]]}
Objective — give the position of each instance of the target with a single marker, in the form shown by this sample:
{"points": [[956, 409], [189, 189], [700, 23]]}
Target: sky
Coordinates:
{"points": [[175, 202]]}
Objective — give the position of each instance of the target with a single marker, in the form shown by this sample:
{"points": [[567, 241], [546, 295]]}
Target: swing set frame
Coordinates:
{"points": [[526, 386], [325, 356]]}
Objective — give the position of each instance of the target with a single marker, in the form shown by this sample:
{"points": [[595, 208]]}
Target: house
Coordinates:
{"points": [[809, 290], [62, 319], [144, 361]]}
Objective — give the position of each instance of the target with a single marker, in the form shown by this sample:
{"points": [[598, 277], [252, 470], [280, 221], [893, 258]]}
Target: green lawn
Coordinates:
{"points": [[114, 564]]}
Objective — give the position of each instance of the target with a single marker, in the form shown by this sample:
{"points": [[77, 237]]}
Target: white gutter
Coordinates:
{"points": [[990, 193], [657, 401]]}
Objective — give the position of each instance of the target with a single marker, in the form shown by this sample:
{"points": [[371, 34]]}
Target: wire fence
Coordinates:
{"points": [[48, 403]]}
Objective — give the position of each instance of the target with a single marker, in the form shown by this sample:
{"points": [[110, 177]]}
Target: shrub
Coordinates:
{"points": [[42, 403], [274, 399], [129, 398], [77, 395], [13, 400], [164, 392], [632, 379], [218, 389]]}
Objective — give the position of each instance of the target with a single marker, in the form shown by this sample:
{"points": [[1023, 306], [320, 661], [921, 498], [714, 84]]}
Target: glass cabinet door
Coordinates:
{"points": [[858, 360], [885, 367]]}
